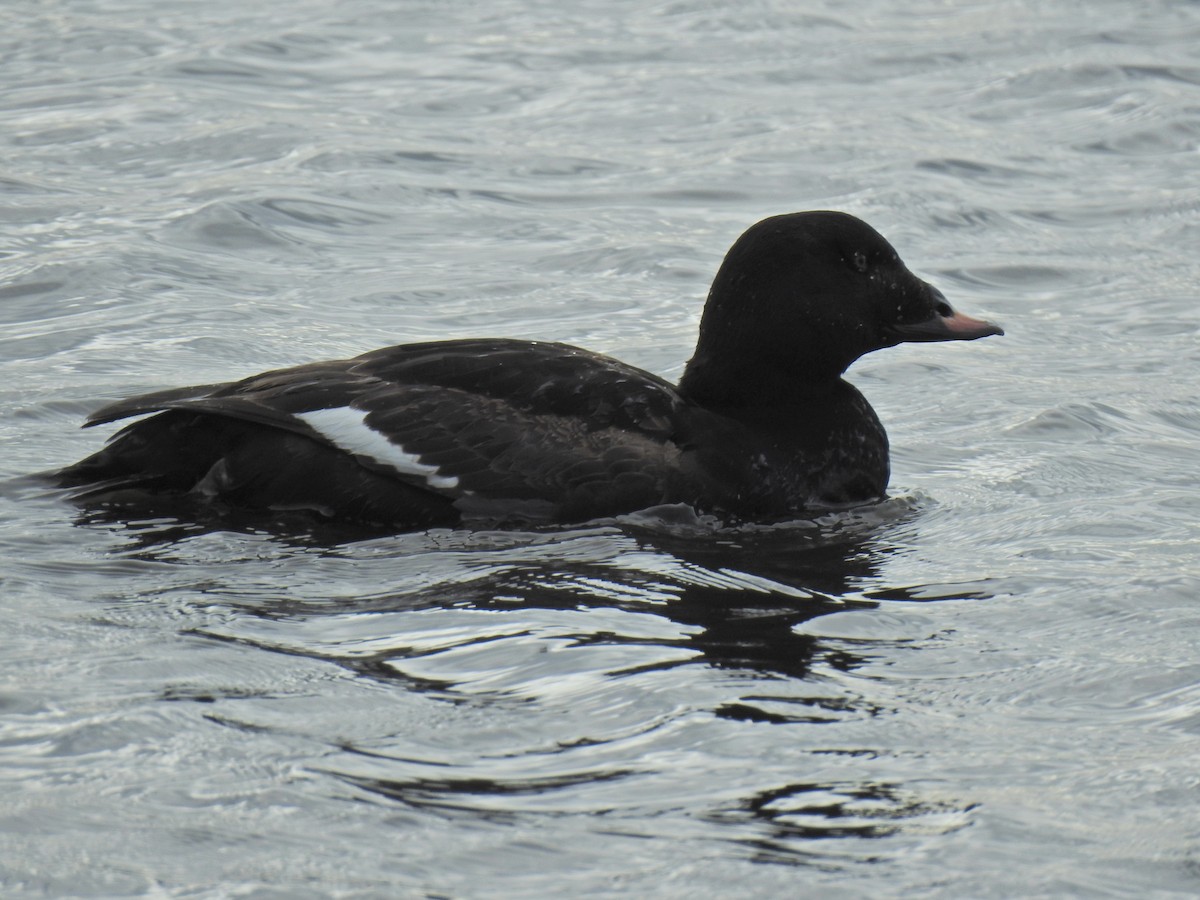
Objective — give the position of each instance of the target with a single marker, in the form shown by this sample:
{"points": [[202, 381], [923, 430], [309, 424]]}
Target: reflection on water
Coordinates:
{"points": [[596, 640]]}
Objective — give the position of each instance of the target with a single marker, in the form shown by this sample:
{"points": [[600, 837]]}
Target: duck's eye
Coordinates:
{"points": [[860, 261], [943, 309]]}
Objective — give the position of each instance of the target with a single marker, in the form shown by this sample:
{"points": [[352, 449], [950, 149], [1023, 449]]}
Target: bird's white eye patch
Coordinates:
{"points": [[347, 429]]}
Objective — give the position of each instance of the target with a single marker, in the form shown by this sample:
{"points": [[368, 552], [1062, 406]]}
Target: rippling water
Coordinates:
{"points": [[986, 686]]}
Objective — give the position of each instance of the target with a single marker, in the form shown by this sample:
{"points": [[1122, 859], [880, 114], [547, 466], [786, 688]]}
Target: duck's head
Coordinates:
{"points": [[799, 297]]}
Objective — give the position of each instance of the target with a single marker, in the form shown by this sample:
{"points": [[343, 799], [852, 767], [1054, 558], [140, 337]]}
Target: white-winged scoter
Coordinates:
{"points": [[506, 432]]}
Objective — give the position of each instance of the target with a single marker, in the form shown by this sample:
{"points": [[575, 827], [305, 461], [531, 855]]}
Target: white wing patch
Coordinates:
{"points": [[347, 430]]}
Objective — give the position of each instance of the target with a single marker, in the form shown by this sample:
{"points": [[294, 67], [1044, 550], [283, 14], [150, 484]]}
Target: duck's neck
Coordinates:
{"points": [[713, 382]]}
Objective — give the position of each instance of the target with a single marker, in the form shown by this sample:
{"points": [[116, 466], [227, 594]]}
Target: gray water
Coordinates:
{"points": [[987, 686]]}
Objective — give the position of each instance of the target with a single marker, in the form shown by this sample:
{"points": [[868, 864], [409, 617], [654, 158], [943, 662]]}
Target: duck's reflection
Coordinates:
{"points": [[738, 600], [740, 603], [738, 597]]}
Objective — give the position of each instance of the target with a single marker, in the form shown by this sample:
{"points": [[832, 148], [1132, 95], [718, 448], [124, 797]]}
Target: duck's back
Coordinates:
{"points": [[410, 436]]}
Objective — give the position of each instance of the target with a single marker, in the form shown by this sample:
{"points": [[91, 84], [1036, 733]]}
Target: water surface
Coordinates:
{"points": [[986, 686]]}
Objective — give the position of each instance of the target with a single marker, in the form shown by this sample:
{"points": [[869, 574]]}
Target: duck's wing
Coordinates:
{"points": [[548, 430]]}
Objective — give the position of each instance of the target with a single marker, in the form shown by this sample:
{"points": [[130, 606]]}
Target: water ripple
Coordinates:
{"points": [[654, 704]]}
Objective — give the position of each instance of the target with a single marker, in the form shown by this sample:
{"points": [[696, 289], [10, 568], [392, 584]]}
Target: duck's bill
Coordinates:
{"points": [[954, 327]]}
